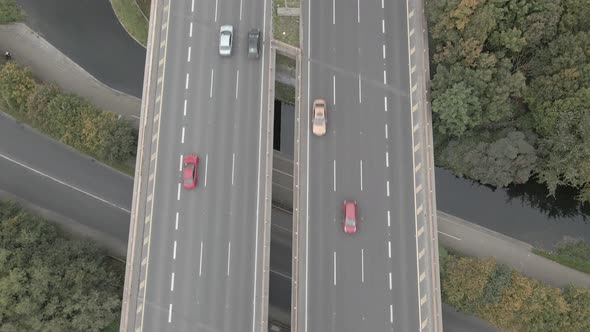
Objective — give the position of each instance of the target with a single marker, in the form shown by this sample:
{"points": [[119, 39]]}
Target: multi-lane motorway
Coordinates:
{"points": [[357, 58], [49, 166], [203, 255]]}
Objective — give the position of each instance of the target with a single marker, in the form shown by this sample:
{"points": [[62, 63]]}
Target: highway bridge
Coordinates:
{"points": [[199, 260], [367, 59]]}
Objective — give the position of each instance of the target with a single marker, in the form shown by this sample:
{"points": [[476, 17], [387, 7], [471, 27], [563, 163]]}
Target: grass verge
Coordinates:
{"points": [[285, 28], [145, 6], [10, 12], [131, 17], [284, 92], [575, 255]]}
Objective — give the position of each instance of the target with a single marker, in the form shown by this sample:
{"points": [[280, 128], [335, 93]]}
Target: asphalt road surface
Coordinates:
{"points": [[53, 176], [203, 259], [35, 156], [89, 33], [358, 62]]}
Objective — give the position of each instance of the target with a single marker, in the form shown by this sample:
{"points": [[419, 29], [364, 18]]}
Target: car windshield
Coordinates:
{"points": [[349, 222], [225, 39], [319, 121], [188, 180]]}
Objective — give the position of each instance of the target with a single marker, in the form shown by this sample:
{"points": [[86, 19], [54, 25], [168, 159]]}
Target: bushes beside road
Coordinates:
{"points": [[51, 283], [65, 117], [510, 300]]}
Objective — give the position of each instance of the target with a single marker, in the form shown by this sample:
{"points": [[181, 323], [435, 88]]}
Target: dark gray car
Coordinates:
{"points": [[254, 43]]}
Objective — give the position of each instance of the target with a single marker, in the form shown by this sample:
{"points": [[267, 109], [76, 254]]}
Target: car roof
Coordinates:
{"points": [[350, 209]]}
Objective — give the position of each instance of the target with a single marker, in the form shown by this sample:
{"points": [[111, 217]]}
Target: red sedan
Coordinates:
{"points": [[189, 171], [350, 223]]}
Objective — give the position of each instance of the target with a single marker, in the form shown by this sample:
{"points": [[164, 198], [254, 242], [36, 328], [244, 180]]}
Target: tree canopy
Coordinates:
{"points": [[501, 68], [49, 282]]}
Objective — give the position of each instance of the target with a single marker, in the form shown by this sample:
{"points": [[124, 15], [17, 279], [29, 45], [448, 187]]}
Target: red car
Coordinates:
{"points": [[189, 171], [350, 222]]}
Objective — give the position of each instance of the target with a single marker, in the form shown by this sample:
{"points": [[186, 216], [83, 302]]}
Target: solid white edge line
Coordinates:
{"points": [[185, 103], [174, 251], [418, 291], [228, 257], [170, 313], [334, 268], [362, 265], [258, 182], [172, 283], [189, 55], [182, 139], [180, 164], [176, 223], [178, 194], [201, 260], [206, 162], [237, 82], [186, 82], [63, 183], [211, 85]]}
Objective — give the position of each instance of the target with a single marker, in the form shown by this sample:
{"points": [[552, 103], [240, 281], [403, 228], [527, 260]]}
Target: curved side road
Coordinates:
{"points": [[50, 65], [89, 33]]}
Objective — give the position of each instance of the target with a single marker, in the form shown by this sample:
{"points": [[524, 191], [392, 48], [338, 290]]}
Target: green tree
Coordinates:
{"points": [[458, 110], [500, 159], [50, 283]]}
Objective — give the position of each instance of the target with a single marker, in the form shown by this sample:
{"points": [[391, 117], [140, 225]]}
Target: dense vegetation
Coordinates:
{"points": [[574, 254], [10, 12], [509, 300], [51, 283], [65, 117], [511, 90]]}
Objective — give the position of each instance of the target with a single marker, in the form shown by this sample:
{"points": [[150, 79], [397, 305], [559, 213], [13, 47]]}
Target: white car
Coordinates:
{"points": [[226, 36]]}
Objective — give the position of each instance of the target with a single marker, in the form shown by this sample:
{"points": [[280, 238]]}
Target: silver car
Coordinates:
{"points": [[226, 36]]}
